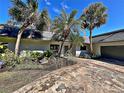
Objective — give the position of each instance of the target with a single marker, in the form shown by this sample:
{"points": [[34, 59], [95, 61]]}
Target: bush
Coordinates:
{"points": [[2, 48], [35, 55], [48, 53], [31, 55], [95, 57], [9, 58]]}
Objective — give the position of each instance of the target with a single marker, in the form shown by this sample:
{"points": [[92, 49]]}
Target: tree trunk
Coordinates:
{"points": [[91, 45], [18, 42], [72, 49], [60, 50]]}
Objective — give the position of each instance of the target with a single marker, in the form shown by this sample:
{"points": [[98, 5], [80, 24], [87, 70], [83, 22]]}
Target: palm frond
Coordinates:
{"points": [[94, 16], [19, 3], [33, 4], [71, 16]]}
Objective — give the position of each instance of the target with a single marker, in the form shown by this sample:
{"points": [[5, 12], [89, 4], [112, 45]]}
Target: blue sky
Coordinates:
{"points": [[115, 11]]}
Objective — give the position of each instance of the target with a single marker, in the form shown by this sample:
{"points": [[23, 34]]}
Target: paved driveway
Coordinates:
{"points": [[112, 61], [87, 76]]}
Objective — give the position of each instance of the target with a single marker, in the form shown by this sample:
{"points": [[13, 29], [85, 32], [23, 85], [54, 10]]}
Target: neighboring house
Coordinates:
{"points": [[110, 45], [37, 42]]}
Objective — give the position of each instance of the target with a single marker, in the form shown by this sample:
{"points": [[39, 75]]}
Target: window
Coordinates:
{"points": [[83, 48], [54, 47]]}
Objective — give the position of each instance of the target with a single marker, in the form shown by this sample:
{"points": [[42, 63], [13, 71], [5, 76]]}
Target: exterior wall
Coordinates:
{"points": [[30, 45], [97, 46], [36, 45]]}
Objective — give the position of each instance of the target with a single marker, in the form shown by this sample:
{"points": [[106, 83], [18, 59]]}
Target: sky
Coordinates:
{"points": [[115, 11]]}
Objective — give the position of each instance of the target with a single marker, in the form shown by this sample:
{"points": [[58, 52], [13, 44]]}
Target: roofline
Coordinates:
{"points": [[107, 42], [12, 39], [108, 33]]}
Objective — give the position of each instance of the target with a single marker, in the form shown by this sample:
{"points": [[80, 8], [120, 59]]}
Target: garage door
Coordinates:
{"points": [[116, 52]]}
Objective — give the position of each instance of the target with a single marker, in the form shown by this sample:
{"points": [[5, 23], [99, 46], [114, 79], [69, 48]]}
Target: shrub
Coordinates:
{"points": [[10, 59], [95, 56], [48, 53], [35, 55], [31, 55], [2, 48]]}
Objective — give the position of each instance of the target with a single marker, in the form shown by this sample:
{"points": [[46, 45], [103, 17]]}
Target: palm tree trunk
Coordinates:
{"points": [[91, 45], [18, 42], [70, 46], [72, 49], [60, 50]]}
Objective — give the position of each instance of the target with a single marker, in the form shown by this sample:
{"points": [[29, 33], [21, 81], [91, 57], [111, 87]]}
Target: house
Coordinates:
{"points": [[37, 42], [110, 45]]}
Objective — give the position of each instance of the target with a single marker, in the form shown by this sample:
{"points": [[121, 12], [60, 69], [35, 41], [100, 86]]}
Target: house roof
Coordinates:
{"points": [[117, 35], [12, 31]]}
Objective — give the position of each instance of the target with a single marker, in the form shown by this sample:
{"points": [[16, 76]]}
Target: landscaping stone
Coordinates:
{"points": [[82, 77]]}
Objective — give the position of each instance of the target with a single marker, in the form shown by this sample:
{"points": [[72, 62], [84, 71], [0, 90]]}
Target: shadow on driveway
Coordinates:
{"points": [[112, 61]]}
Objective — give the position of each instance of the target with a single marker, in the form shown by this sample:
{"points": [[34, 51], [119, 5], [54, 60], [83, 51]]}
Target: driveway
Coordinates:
{"points": [[87, 76], [112, 61]]}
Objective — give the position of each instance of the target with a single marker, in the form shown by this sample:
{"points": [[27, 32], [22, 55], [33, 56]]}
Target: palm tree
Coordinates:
{"points": [[25, 14], [93, 16], [76, 40], [63, 25], [44, 22]]}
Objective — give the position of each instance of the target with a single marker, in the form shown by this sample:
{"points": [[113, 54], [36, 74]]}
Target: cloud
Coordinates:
{"points": [[47, 2], [56, 10], [65, 6]]}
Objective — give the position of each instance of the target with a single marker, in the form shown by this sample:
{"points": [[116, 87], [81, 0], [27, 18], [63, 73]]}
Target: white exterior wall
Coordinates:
{"points": [[32, 44], [97, 46], [37, 45]]}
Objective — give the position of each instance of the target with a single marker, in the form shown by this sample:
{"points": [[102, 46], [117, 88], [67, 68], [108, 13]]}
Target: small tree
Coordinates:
{"points": [[92, 17], [76, 40], [25, 13], [63, 25]]}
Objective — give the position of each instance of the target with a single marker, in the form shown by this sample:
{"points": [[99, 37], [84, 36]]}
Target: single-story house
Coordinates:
{"points": [[38, 41], [110, 45]]}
